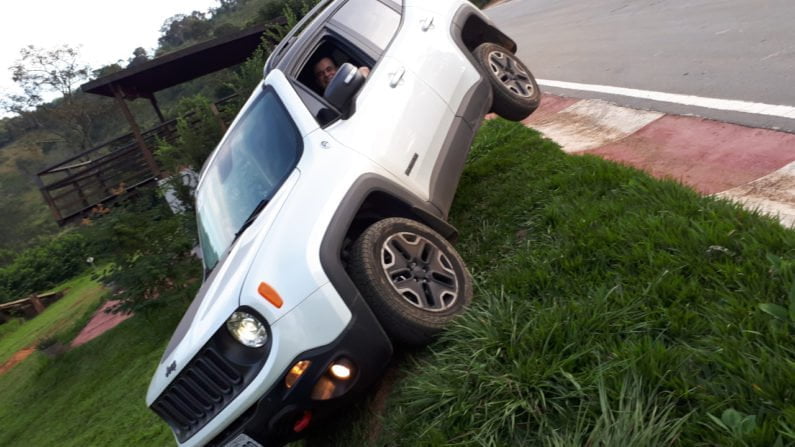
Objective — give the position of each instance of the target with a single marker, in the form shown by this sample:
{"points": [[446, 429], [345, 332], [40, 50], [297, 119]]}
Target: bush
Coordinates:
{"points": [[44, 266], [199, 131], [148, 249]]}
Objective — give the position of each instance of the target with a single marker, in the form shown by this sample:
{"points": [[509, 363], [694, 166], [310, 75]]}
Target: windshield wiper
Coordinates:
{"points": [[252, 217]]}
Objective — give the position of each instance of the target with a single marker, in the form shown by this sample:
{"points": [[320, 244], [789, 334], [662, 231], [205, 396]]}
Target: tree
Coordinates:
{"points": [[39, 71], [181, 28], [42, 72], [227, 5], [139, 57]]}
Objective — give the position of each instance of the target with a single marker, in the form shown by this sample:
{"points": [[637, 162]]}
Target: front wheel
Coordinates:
{"points": [[413, 279], [516, 93]]}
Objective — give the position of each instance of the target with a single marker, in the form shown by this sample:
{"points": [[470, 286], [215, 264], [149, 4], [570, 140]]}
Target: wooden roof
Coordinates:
{"points": [[141, 81]]}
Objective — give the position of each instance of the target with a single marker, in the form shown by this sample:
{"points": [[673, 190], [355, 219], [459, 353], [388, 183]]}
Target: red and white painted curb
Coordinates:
{"points": [[755, 167]]}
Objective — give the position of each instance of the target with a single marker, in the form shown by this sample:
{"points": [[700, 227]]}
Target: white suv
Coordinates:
{"points": [[322, 212]]}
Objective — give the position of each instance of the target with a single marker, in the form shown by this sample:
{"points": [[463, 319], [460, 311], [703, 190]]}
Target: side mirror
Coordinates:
{"points": [[343, 87]]}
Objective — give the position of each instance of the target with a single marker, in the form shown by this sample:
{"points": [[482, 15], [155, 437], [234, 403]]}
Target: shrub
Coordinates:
{"points": [[198, 132], [148, 249], [44, 266]]}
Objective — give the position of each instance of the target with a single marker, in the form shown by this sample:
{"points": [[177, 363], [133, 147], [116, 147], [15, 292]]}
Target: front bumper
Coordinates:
{"points": [[272, 419]]}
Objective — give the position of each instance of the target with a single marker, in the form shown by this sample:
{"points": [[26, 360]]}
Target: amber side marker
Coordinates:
{"points": [[269, 294]]}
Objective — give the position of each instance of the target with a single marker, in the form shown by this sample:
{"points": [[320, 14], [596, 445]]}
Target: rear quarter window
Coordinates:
{"points": [[372, 19]]}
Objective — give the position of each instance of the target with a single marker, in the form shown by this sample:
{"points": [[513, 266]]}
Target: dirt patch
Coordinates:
{"points": [[16, 359], [377, 406], [101, 322]]}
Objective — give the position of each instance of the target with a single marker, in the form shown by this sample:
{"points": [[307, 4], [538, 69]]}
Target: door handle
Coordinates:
{"points": [[396, 77], [427, 23]]}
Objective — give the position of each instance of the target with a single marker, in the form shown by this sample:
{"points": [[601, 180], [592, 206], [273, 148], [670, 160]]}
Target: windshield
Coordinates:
{"points": [[256, 157]]}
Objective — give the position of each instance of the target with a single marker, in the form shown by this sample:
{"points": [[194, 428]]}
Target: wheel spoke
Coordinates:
{"points": [[400, 265], [427, 252], [509, 65], [443, 281], [411, 245], [430, 295], [440, 264], [498, 59], [413, 288], [436, 293]]}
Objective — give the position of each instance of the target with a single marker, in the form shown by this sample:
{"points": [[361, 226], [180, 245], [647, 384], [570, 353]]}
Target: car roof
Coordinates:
{"points": [[284, 52]]}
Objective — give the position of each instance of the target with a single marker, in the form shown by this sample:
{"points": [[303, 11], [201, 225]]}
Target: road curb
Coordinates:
{"points": [[754, 167]]}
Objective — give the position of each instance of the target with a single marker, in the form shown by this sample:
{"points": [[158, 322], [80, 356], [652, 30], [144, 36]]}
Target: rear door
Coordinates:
{"points": [[400, 122]]}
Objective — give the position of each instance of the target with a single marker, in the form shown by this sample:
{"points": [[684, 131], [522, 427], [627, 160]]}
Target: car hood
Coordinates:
{"points": [[218, 296]]}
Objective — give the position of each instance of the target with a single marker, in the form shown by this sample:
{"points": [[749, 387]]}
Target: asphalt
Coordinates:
{"points": [[730, 49]]}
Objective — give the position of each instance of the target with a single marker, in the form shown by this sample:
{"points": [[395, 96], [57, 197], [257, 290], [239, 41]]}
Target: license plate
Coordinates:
{"points": [[243, 440]]}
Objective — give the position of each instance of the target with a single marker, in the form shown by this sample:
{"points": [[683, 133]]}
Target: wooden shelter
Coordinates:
{"points": [[99, 176]]}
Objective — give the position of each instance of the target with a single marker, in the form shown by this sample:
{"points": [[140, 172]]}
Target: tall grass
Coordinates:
{"points": [[611, 309]]}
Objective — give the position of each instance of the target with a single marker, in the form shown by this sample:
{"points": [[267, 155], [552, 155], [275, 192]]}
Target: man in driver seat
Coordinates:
{"points": [[326, 68]]}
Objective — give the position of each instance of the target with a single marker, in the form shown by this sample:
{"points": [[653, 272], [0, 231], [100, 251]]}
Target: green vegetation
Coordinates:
{"points": [[147, 249], [92, 395], [611, 309], [61, 320], [43, 266]]}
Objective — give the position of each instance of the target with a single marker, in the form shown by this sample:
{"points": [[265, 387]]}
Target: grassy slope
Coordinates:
{"points": [[92, 395], [57, 320], [611, 309]]}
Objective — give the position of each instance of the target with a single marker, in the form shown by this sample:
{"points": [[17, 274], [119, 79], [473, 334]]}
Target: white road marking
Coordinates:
{"points": [[773, 194], [732, 105], [592, 123]]}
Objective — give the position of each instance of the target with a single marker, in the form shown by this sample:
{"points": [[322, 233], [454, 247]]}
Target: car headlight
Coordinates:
{"points": [[247, 329]]}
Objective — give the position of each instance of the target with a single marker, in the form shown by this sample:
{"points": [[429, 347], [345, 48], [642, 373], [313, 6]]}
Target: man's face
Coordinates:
{"points": [[325, 70]]}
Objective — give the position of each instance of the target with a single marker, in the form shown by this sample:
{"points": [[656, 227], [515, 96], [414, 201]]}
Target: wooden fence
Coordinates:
{"points": [[90, 180], [28, 307]]}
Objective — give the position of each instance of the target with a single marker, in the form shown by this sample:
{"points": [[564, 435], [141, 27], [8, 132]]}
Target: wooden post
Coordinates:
{"points": [[153, 101], [150, 160], [217, 114], [56, 213], [37, 306]]}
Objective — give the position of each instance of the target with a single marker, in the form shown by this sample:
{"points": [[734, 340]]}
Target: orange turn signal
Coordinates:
{"points": [[269, 294]]}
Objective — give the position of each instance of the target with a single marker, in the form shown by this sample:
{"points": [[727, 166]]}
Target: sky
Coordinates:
{"points": [[105, 30]]}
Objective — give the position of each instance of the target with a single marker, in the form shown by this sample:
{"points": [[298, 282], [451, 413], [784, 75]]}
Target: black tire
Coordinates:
{"points": [[516, 93], [413, 279]]}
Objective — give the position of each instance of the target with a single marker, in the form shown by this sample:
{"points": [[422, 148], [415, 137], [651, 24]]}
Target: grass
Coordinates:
{"points": [[92, 395], [62, 320], [610, 309]]}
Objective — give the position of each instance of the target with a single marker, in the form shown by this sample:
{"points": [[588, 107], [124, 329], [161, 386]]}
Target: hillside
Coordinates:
{"points": [[30, 143]]}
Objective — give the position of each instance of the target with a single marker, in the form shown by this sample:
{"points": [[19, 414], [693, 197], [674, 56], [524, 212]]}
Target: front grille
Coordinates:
{"points": [[199, 392]]}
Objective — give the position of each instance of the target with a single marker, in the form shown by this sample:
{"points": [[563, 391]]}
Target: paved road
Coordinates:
{"points": [[729, 49]]}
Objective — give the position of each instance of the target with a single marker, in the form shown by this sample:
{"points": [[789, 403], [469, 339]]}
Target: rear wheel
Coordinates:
{"points": [[516, 93], [412, 278]]}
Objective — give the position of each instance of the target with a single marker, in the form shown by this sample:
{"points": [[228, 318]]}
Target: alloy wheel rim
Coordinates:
{"points": [[419, 272], [511, 74]]}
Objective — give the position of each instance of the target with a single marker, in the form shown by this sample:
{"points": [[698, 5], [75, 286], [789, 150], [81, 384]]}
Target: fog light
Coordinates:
{"points": [[296, 372], [341, 370]]}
